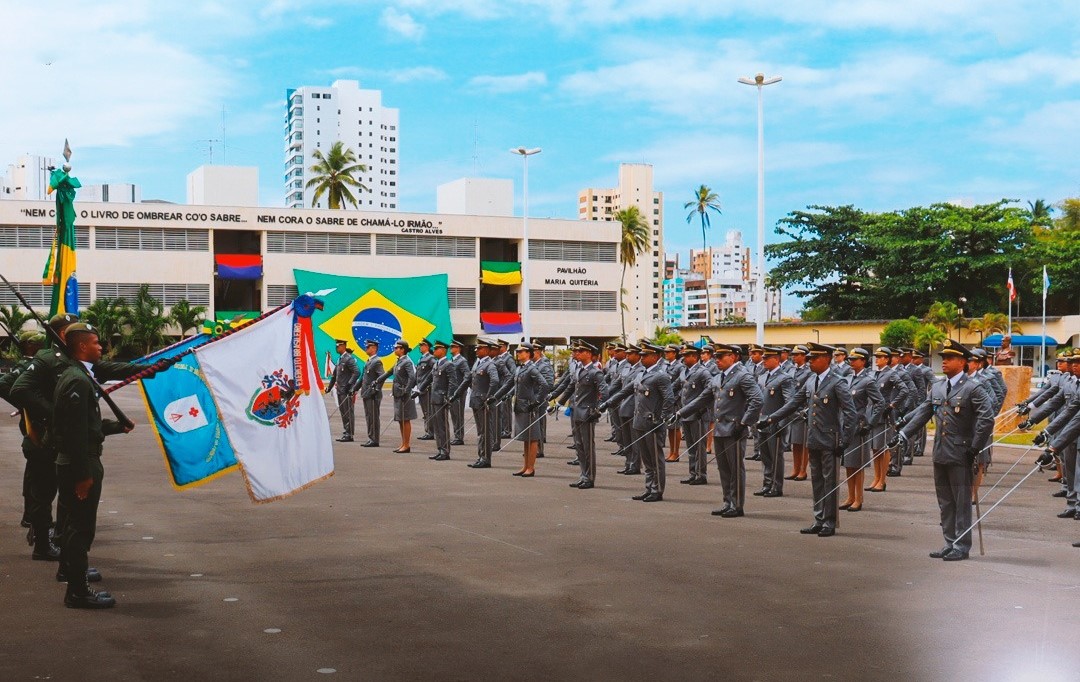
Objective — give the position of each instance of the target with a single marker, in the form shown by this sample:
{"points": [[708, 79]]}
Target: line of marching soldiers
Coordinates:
{"points": [[833, 410]]}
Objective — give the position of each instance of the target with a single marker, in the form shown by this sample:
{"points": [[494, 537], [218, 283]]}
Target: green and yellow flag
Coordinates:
{"points": [[385, 309], [500, 273], [60, 268]]}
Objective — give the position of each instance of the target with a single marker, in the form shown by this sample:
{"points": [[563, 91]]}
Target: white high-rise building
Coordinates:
{"points": [[643, 281], [317, 117], [27, 179]]}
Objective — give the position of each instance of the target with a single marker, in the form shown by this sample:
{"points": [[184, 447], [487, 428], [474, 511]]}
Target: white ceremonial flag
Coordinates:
{"points": [[279, 431]]}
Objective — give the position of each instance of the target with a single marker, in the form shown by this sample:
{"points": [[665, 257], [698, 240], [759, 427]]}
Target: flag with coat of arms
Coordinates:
{"points": [[264, 379]]}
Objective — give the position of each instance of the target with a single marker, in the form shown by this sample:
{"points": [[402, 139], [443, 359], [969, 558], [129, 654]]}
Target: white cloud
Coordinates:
{"points": [[112, 82], [505, 84], [410, 74], [401, 23], [317, 22]]}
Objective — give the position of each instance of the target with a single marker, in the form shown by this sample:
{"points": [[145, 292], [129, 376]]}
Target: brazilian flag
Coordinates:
{"points": [[60, 268], [382, 308]]}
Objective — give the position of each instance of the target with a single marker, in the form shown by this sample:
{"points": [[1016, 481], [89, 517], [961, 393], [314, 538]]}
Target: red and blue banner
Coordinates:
{"points": [[501, 323], [238, 266]]}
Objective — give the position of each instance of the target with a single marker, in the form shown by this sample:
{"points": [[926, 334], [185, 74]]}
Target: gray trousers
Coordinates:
{"points": [[633, 452], [373, 419], [823, 480], [953, 486], [347, 408], [651, 453], [543, 434], [425, 408], [897, 454], [506, 420], [729, 461], [918, 448], [1068, 480], [457, 417], [484, 426], [585, 446], [613, 419], [693, 434], [439, 420], [772, 459]]}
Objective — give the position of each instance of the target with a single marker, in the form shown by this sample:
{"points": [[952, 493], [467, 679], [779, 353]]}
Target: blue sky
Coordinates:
{"points": [[883, 105]]}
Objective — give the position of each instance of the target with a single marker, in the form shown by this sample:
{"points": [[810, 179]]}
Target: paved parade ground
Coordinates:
{"points": [[402, 568]]}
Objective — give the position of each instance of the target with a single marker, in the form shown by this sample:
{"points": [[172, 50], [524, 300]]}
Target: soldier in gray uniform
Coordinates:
{"points": [[1060, 410], [614, 383], [736, 399], [777, 389], [624, 399], [584, 394], [675, 370], [654, 404], [611, 368], [401, 389], [895, 393], [528, 391], [1047, 388], [548, 371], [709, 362], [924, 379], [457, 405], [899, 456], [869, 406], [346, 374], [371, 393], [800, 458], [440, 384], [831, 422], [1060, 436], [695, 381], [507, 367], [483, 382], [423, 370], [981, 370], [964, 423], [754, 364], [839, 363]]}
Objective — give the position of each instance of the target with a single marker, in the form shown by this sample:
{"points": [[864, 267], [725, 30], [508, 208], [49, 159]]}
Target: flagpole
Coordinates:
{"points": [[1042, 368]]}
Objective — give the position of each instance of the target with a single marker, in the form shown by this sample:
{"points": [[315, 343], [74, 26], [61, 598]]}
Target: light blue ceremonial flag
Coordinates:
{"points": [[1046, 282], [185, 419]]}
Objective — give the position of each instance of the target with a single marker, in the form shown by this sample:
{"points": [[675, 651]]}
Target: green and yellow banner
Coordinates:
{"points": [[500, 273]]}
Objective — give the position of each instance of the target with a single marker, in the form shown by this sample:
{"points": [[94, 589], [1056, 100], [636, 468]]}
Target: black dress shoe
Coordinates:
{"points": [[1060, 493], [528, 475], [760, 493], [940, 553], [688, 481], [92, 575], [907, 461], [457, 442], [812, 530], [585, 485], [774, 493], [441, 458], [426, 437], [435, 456], [641, 497], [723, 510], [891, 473], [369, 444], [789, 478], [700, 480], [89, 600], [610, 440], [844, 506], [753, 458], [404, 451], [827, 533], [575, 484], [573, 463], [633, 472], [539, 455], [653, 497], [955, 555], [877, 490], [46, 552], [1067, 514], [732, 513], [345, 439], [518, 473], [1076, 544]]}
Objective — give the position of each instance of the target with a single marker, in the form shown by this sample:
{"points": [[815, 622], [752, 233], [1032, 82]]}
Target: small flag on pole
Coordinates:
{"points": [[1046, 282], [1011, 287]]}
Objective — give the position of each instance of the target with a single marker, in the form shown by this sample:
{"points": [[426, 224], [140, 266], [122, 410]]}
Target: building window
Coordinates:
{"points": [[593, 252], [425, 245], [280, 294], [168, 294], [555, 299], [38, 237], [151, 239], [355, 244], [461, 298], [39, 295]]}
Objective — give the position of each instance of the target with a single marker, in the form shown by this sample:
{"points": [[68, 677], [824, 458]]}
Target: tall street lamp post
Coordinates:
{"points": [[525, 154], [760, 81]]}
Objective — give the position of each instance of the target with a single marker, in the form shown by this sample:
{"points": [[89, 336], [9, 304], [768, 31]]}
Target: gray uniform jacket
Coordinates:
{"points": [[584, 393], [548, 371], [346, 372], [654, 401], [483, 381], [869, 404], [894, 390], [996, 385], [424, 368], [1053, 385], [404, 372], [842, 369], [777, 389], [442, 381], [695, 381], [1065, 392], [736, 400], [1065, 429], [675, 371], [623, 397], [461, 368], [963, 420], [831, 419], [370, 386], [528, 388], [566, 378]]}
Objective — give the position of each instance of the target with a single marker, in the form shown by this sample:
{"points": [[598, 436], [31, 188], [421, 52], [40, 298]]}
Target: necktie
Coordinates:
{"points": [[948, 388], [817, 382], [723, 378]]}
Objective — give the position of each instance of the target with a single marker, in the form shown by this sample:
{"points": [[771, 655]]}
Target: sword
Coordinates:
{"points": [[622, 451], [978, 521], [857, 470], [514, 437], [1021, 458]]}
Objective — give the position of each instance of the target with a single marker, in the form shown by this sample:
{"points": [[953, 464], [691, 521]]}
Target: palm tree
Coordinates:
{"points": [[13, 319], [929, 336], [334, 176], [109, 315], [705, 200], [994, 323], [146, 322], [1039, 213], [186, 316], [942, 314], [635, 239]]}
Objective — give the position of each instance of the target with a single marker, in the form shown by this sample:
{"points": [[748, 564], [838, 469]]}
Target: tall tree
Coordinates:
{"points": [[705, 200], [635, 240], [1039, 213], [333, 176], [994, 323], [945, 315], [927, 337], [186, 316], [13, 319]]}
